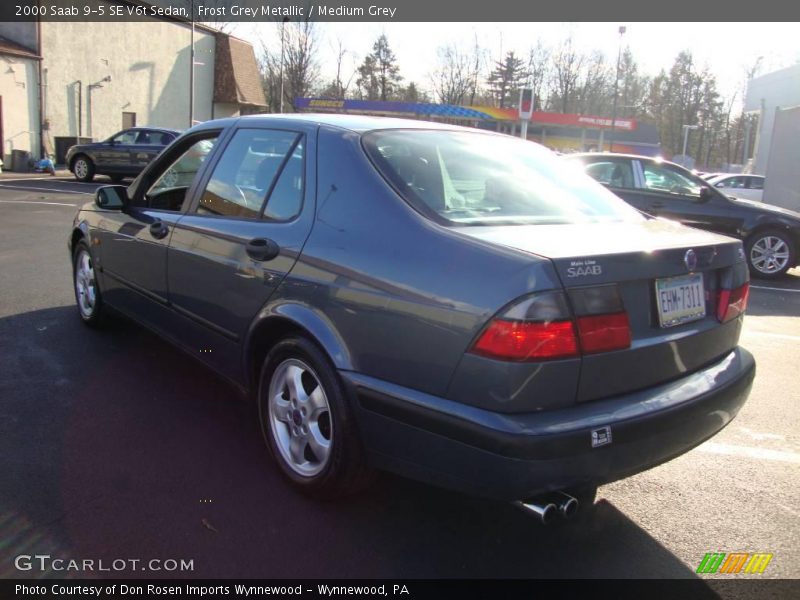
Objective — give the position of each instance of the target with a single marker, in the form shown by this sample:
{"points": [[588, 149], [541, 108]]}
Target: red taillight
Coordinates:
{"points": [[601, 333], [732, 303], [521, 340]]}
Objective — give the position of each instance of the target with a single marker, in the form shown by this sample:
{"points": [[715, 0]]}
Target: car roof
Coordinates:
{"points": [[355, 123], [146, 128], [651, 159]]}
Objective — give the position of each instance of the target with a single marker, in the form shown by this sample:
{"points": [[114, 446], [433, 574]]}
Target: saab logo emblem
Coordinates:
{"points": [[580, 268], [601, 436], [736, 562], [690, 260]]}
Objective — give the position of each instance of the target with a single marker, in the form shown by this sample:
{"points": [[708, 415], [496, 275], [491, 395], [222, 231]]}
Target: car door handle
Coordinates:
{"points": [[158, 230], [262, 249], [657, 205]]}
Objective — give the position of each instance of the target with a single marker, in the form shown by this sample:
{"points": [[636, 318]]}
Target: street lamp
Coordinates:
{"points": [[621, 30], [686, 129]]}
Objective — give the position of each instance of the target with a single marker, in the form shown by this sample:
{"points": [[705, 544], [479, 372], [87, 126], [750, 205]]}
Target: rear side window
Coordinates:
{"points": [[476, 178], [756, 183], [244, 176]]}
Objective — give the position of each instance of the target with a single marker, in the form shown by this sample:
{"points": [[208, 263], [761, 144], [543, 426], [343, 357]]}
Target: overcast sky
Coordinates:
{"points": [[729, 49]]}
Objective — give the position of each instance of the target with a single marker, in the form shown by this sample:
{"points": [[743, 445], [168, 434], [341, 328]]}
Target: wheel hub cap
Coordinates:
{"points": [[299, 417]]}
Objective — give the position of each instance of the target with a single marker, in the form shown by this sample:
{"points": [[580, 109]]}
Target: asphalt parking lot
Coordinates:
{"points": [[115, 445]]}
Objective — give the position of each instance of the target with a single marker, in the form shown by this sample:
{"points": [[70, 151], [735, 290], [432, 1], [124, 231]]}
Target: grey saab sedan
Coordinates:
{"points": [[455, 306]]}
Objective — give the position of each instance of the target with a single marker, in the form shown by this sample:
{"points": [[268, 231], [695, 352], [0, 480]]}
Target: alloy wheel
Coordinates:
{"points": [[769, 254], [85, 284], [300, 417]]}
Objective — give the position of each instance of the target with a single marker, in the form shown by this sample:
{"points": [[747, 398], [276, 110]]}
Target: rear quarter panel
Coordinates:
{"points": [[405, 295]]}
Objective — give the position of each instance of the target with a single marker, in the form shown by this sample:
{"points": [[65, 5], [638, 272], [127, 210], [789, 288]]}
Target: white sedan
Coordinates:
{"points": [[749, 187]]}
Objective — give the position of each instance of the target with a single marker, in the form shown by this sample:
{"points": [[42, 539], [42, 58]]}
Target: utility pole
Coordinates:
{"points": [[191, 74], [686, 129], [621, 30], [283, 26]]}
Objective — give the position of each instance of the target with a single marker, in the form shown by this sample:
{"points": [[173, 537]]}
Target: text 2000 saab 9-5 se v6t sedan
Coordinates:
{"points": [[456, 306]]}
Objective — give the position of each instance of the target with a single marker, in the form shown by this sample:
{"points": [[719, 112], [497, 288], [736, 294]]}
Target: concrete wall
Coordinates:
{"points": [[19, 90], [764, 95], [148, 64], [781, 187]]}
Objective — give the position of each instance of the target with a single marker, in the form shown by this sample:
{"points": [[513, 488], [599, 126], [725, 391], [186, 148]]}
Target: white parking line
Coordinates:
{"points": [[774, 289], [749, 452], [782, 336], [38, 202], [41, 189]]}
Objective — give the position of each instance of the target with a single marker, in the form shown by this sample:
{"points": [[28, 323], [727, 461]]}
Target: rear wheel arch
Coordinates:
{"points": [[285, 321]]}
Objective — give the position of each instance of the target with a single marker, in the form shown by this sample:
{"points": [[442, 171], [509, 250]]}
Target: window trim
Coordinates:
{"points": [[173, 153], [212, 165]]}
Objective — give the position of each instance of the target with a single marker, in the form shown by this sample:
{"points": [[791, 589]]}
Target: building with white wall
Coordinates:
{"points": [[63, 80], [766, 95]]}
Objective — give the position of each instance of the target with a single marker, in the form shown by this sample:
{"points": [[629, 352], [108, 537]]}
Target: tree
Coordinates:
{"points": [[567, 65], [339, 86], [453, 80], [507, 77], [595, 86], [538, 72], [379, 75], [632, 87], [300, 65], [412, 93]]}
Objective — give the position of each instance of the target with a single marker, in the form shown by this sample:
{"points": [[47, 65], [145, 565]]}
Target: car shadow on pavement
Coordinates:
{"points": [[113, 444]]}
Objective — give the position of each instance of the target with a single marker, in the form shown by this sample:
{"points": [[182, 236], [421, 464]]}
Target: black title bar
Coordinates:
{"points": [[396, 11]]}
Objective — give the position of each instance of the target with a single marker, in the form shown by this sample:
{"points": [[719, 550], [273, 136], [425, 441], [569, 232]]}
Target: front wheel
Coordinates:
{"points": [[87, 291], [307, 423], [83, 168], [770, 254]]}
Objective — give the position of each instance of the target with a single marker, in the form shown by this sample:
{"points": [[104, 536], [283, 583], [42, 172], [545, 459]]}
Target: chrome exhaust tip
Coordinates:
{"points": [[545, 512], [567, 505]]}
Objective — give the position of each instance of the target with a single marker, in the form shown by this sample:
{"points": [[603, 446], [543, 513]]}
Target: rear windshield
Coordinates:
{"points": [[464, 178]]}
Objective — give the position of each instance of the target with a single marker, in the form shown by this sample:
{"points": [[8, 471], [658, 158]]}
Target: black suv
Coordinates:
{"points": [[664, 189]]}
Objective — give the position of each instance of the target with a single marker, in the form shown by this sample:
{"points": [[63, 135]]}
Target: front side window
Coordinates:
{"points": [[481, 179], [733, 183], [664, 178], [618, 174], [125, 137], [169, 190], [244, 176]]}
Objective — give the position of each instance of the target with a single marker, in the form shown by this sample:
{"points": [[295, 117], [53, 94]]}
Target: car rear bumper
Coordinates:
{"points": [[516, 456]]}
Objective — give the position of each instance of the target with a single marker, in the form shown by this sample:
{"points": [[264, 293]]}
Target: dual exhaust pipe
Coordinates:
{"points": [[548, 507]]}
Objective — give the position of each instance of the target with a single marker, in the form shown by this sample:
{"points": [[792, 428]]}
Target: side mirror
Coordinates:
{"points": [[705, 193], [111, 197], [721, 184]]}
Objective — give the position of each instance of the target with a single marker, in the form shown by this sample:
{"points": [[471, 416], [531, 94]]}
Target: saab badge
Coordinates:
{"points": [[690, 260], [601, 437]]}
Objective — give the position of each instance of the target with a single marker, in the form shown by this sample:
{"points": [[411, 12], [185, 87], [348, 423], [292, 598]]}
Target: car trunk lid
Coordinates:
{"points": [[649, 262]]}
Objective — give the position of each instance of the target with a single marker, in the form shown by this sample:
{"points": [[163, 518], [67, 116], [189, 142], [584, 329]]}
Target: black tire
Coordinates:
{"points": [[771, 265], [83, 168], [91, 312], [344, 469]]}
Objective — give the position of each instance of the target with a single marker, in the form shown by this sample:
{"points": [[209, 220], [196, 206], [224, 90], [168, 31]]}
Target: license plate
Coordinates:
{"points": [[680, 299]]}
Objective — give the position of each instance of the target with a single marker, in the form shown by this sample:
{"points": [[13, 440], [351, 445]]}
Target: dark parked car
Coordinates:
{"points": [[122, 155], [771, 234], [455, 306]]}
